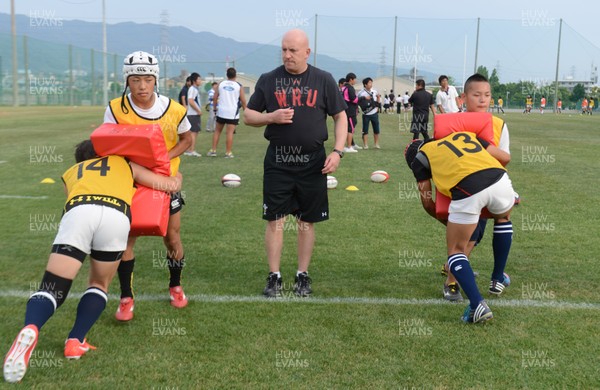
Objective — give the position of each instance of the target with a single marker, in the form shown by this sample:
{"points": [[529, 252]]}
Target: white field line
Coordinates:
{"points": [[335, 300], [22, 197]]}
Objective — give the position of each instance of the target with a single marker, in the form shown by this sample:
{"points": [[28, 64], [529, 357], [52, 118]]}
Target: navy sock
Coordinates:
{"points": [[90, 307], [125, 272], [501, 243], [461, 269], [175, 268], [40, 307], [43, 303]]}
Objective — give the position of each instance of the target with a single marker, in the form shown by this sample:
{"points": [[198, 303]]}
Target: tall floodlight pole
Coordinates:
{"points": [[465, 62], [394, 60], [416, 56], [26, 69], [476, 46], [15, 71], [315, 44], [557, 63], [104, 60]]}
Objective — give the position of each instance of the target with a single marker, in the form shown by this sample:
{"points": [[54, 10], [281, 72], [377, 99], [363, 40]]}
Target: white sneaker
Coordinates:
{"points": [[366, 147], [350, 150], [377, 147], [356, 147], [194, 154]]}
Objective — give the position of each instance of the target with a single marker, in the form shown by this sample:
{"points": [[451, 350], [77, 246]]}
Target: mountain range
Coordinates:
{"points": [[179, 48]]}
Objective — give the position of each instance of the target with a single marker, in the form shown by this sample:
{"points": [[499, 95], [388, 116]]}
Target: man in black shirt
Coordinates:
{"points": [[392, 98], [422, 102], [293, 101], [184, 91]]}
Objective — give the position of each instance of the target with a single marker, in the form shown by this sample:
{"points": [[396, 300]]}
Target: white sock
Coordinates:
{"points": [[278, 274], [301, 272]]}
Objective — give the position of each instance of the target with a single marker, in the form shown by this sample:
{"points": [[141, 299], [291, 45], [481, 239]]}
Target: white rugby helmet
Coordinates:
{"points": [[140, 63]]}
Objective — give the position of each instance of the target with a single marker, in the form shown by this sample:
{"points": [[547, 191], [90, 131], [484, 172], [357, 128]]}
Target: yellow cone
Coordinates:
{"points": [[47, 181], [351, 188]]}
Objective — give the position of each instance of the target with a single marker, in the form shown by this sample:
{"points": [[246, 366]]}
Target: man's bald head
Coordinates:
{"points": [[295, 51], [296, 35]]}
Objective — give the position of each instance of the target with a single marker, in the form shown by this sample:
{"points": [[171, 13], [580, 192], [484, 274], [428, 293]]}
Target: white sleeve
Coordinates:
{"points": [[184, 126], [455, 94], [438, 99], [191, 93], [504, 143], [108, 116]]}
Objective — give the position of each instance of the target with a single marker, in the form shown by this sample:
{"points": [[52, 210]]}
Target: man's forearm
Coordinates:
{"points": [[255, 118], [341, 130]]}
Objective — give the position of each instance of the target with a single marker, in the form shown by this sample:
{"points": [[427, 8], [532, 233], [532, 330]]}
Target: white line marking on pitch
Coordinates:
{"points": [[22, 197], [332, 300]]}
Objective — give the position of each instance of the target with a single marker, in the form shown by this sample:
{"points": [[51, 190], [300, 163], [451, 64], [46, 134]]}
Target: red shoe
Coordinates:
{"points": [[17, 358], [178, 298], [125, 310], [74, 349]]}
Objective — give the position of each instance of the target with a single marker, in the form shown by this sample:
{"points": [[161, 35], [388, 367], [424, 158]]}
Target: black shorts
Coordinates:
{"points": [[176, 203], [293, 184], [351, 124], [228, 121], [71, 251], [195, 122]]}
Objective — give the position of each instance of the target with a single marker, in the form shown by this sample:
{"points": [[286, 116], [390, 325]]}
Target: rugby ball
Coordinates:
{"points": [[231, 180], [331, 182], [380, 177]]}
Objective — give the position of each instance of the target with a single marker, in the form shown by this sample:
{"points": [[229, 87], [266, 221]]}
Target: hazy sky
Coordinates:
{"points": [[518, 36], [263, 20]]}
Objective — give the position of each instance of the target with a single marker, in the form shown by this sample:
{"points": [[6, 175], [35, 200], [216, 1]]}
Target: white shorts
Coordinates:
{"points": [[498, 198], [90, 226]]}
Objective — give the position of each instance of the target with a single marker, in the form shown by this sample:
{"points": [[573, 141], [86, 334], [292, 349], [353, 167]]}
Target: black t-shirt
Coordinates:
{"points": [[421, 100], [183, 93], [352, 102], [313, 95]]}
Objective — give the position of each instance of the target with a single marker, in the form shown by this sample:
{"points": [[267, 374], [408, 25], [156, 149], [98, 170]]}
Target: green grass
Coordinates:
{"points": [[378, 244]]}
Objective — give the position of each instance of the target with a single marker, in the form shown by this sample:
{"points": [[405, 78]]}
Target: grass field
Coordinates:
{"points": [[376, 320]]}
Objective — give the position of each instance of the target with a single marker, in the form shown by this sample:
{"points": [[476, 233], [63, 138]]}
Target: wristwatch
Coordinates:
{"points": [[339, 152]]}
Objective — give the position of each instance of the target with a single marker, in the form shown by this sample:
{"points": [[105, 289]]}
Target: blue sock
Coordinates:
{"points": [[461, 269], [43, 303], [90, 307], [40, 307], [501, 243]]}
